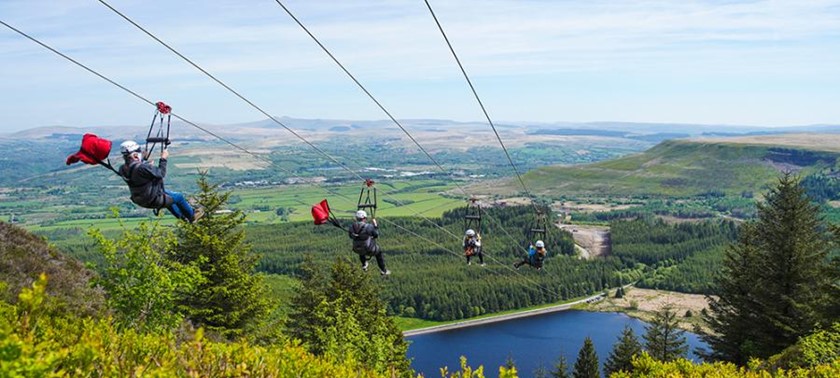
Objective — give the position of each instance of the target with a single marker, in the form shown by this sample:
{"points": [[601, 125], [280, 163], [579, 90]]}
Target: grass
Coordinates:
{"points": [[409, 198], [407, 324]]}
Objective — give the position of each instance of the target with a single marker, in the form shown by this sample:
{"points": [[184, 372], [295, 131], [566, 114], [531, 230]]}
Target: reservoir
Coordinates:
{"points": [[531, 342]]}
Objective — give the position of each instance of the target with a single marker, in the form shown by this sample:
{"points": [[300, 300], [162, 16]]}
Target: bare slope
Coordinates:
{"points": [[24, 256]]}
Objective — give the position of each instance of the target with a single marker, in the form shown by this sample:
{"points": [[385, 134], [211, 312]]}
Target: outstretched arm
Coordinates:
{"points": [[164, 155]]}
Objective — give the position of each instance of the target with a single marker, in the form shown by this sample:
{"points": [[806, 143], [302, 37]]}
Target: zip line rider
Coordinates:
{"points": [[472, 246], [364, 237], [145, 181], [536, 255]]}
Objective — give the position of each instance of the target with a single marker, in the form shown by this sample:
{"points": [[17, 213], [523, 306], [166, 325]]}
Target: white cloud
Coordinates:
{"points": [[394, 45]]}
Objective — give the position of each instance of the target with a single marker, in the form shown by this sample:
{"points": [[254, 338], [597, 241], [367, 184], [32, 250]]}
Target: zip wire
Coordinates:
{"points": [[362, 87], [407, 133], [481, 104], [231, 90], [86, 68], [254, 105], [223, 139], [271, 117], [144, 99]]}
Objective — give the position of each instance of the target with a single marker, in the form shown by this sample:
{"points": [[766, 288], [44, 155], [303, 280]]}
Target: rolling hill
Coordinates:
{"points": [[689, 167]]}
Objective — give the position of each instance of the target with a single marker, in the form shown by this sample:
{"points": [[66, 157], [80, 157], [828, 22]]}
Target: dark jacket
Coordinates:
{"points": [[363, 235], [145, 181], [536, 258]]}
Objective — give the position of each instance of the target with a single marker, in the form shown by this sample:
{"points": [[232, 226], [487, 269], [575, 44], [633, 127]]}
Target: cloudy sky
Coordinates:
{"points": [[764, 63]]}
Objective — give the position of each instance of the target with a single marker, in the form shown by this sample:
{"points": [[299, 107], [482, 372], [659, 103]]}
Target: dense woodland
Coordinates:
{"points": [[430, 277], [823, 186], [679, 257], [432, 281]]}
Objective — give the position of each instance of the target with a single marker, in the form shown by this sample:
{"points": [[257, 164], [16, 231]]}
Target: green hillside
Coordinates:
{"points": [[682, 168]]}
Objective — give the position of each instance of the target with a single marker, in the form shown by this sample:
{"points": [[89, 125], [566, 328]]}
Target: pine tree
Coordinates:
{"points": [[619, 293], [778, 282], [232, 297], [663, 340], [793, 266], [833, 310], [510, 363], [587, 363], [620, 358], [341, 316], [731, 314], [561, 368], [306, 316]]}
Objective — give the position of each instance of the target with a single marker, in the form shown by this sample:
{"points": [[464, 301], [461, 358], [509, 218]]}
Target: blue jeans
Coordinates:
{"points": [[180, 208]]}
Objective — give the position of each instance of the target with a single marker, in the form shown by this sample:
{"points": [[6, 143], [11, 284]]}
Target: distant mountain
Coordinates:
{"points": [[689, 167], [66, 132], [631, 128], [324, 128]]}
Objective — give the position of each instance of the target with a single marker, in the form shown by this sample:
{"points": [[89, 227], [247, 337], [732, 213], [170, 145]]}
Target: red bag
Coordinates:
{"points": [[94, 150], [321, 212]]}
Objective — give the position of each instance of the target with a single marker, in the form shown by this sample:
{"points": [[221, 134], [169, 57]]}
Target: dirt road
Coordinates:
{"points": [[592, 241]]}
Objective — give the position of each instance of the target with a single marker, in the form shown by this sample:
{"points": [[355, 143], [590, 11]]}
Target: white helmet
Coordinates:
{"points": [[361, 214], [470, 233], [129, 147], [540, 244]]}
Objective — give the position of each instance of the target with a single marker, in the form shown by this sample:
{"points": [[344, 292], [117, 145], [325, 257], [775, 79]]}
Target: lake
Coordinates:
{"points": [[530, 341]]}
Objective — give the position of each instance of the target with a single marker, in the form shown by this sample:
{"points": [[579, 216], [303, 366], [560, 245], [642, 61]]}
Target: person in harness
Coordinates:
{"points": [[364, 236], [472, 246], [536, 255], [145, 181]]}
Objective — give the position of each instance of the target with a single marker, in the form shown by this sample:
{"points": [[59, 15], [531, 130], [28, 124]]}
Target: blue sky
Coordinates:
{"points": [[763, 63]]}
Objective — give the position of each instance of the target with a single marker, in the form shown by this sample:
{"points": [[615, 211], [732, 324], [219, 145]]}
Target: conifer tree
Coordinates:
{"points": [[621, 356], [732, 316], [833, 310], [619, 293], [232, 297], [778, 283], [306, 318], [587, 363], [561, 368], [510, 363], [342, 317], [664, 341]]}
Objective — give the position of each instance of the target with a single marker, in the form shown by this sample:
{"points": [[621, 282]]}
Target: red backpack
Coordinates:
{"points": [[321, 214], [94, 151]]}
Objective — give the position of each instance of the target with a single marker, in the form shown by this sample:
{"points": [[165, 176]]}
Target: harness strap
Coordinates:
{"points": [[161, 110]]}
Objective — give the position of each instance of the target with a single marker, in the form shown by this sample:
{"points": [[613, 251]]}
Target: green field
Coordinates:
{"points": [[261, 205]]}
